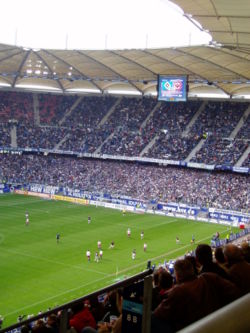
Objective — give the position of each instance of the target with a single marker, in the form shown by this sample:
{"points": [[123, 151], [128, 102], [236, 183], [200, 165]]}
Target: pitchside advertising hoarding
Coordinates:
{"points": [[232, 217], [82, 197]]}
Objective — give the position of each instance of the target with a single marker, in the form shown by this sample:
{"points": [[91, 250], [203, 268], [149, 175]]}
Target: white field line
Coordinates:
{"points": [[54, 261], [153, 225], [108, 275]]}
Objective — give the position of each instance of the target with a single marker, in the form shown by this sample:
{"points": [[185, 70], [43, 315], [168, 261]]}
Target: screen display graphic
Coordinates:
{"points": [[172, 88]]}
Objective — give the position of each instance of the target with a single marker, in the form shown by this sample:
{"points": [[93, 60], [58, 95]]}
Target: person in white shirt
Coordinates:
{"points": [[88, 255]]}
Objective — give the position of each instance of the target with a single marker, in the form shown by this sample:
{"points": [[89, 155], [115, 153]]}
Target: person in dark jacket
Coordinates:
{"points": [[238, 267], [204, 258], [192, 298]]}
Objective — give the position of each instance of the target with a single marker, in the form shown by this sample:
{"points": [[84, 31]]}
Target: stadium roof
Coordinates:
{"points": [[220, 69]]}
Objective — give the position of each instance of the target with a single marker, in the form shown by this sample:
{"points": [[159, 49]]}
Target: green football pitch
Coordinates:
{"points": [[36, 272]]}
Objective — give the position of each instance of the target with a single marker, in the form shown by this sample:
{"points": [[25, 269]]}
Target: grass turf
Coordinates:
{"points": [[37, 273]]}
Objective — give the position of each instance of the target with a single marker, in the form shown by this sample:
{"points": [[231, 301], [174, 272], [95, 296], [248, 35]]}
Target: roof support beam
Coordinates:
{"points": [[20, 68], [187, 70], [213, 63], [50, 69], [75, 69], [110, 69]]}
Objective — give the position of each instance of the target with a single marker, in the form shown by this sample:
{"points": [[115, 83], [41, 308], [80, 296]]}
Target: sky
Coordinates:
{"points": [[96, 24]]}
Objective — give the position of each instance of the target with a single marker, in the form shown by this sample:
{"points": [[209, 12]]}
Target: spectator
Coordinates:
{"points": [[192, 298], [82, 319], [204, 258], [238, 268]]}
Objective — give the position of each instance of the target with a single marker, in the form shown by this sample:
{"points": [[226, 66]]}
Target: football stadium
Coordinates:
{"points": [[124, 176]]}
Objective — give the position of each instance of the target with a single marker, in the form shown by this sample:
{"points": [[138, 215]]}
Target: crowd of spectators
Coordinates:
{"points": [[217, 150], [89, 112], [172, 147], [244, 132], [144, 182], [16, 106], [39, 136], [52, 108], [202, 285], [126, 122], [130, 127], [5, 139], [219, 119]]}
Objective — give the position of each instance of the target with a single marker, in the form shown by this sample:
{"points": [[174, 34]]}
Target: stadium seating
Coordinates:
{"points": [[126, 126], [143, 182]]}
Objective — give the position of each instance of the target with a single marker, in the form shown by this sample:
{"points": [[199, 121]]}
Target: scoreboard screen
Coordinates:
{"points": [[172, 88]]}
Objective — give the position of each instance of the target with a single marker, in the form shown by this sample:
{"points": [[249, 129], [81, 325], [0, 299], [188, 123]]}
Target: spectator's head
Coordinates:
{"points": [[193, 262], [156, 276], [40, 327], [203, 254], [165, 280], [246, 251], [233, 254], [219, 255], [184, 270], [52, 320]]}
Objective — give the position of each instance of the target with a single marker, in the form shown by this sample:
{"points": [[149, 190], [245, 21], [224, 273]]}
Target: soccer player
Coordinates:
{"points": [[99, 244], [96, 257], [145, 247], [133, 254], [142, 234], [112, 245], [193, 239], [89, 219], [88, 255], [177, 240], [57, 237], [124, 212], [100, 254], [27, 220], [129, 232]]}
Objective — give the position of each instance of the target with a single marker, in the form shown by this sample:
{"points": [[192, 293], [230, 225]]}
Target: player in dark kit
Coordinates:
{"points": [[89, 219], [57, 237]]}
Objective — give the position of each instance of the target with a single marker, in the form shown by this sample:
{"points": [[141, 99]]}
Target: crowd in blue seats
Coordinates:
{"points": [[134, 126], [220, 151], [143, 182], [219, 118]]}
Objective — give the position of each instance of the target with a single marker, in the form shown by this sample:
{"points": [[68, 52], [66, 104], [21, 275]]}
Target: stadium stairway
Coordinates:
{"points": [[150, 115], [195, 150], [13, 136], [108, 114], [36, 110], [98, 150], [67, 114], [243, 157], [149, 145], [193, 120], [240, 123], [62, 141]]}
